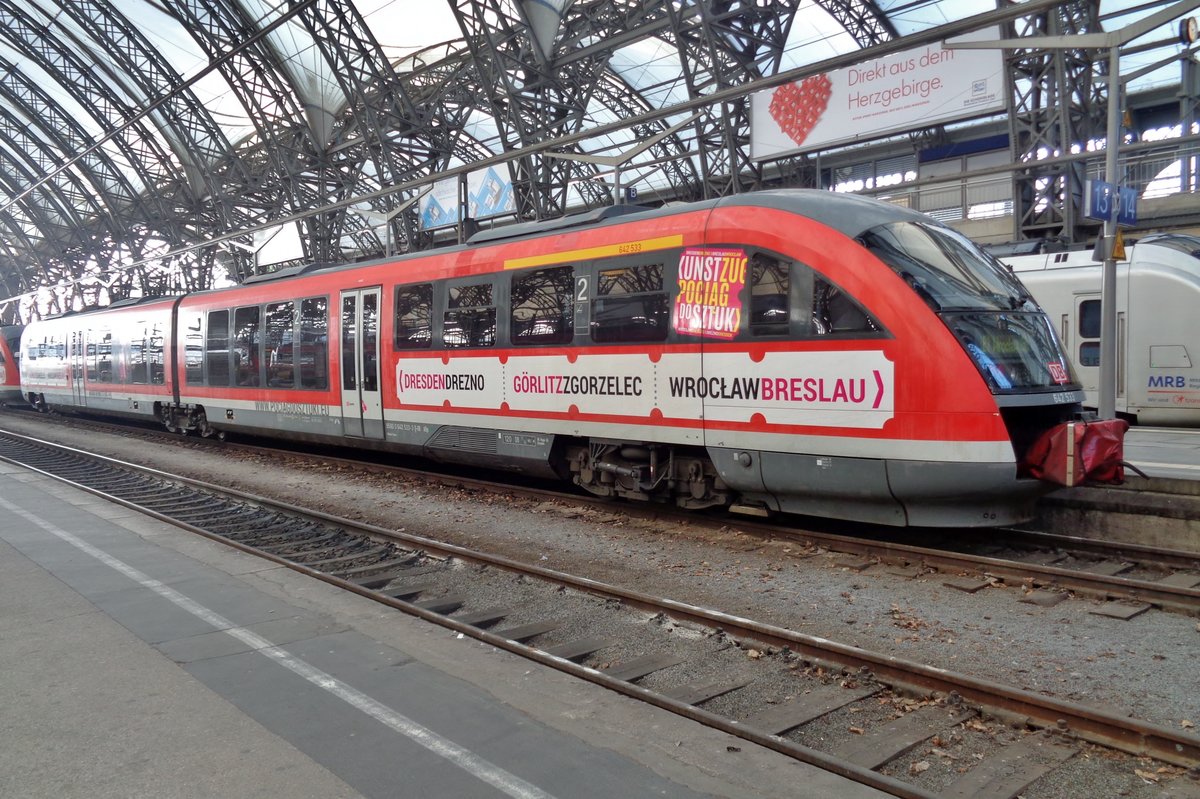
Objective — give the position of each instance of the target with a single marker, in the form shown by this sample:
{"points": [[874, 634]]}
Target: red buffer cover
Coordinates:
{"points": [[1078, 452]]}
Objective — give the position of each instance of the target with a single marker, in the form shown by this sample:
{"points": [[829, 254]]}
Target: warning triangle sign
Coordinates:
{"points": [[1118, 253]]}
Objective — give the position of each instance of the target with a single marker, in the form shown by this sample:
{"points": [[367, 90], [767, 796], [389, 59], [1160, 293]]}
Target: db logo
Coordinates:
{"points": [[1058, 373]]}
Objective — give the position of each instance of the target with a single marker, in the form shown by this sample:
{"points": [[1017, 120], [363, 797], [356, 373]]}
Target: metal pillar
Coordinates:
{"points": [[1108, 281]]}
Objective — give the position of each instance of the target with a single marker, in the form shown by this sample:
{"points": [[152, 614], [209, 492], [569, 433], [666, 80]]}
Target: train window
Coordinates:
{"points": [[247, 340], [471, 322], [193, 348], [104, 362], [370, 333], [414, 316], [1089, 353], [1089, 319], [137, 354], [157, 363], [314, 343], [217, 348], [945, 268], [281, 352], [542, 307], [769, 294], [834, 311], [349, 325], [631, 305]]}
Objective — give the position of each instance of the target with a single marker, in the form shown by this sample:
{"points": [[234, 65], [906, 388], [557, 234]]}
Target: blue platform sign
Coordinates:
{"points": [[1127, 206], [1103, 201]]}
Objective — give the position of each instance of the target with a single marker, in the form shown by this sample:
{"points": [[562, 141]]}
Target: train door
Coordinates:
{"points": [[362, 399], [1083, 344], [1086, 344], [77, 367]]}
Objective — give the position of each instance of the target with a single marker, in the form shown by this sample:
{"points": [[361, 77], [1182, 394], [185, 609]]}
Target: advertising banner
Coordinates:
{"points": [[439, 206], [710, 285], [912, 89], [489, 193]]}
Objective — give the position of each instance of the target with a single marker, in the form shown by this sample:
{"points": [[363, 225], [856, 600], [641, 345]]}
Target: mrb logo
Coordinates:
{"points": [[1167, 381]]}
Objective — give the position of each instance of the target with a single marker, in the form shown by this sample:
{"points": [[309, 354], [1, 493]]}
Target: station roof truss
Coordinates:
{"points": [[156, 146]]}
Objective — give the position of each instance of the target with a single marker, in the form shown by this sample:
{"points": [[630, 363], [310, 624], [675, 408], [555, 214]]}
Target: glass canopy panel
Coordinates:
{"points": [[814, 36], [308, 71], [179, 48], [69, 107], [392, 23], [652, 68], [910, 16]]}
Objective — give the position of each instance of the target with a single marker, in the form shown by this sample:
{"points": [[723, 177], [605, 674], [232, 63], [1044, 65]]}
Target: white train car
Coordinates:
{"points": [[1158, 323]]}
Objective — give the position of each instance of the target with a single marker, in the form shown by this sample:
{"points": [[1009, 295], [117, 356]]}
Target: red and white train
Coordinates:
{"points": [[793, 351], [10, 369]]}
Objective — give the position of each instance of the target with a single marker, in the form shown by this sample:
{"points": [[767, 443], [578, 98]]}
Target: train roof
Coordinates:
{"points": [[849, 214], [128, 302], [1041, 254], [545, 226]]}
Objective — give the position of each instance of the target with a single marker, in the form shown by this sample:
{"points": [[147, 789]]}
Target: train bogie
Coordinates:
{"points": [[786, 351]]}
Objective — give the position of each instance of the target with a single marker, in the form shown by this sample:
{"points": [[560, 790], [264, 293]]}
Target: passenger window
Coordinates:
{"points": [[414, 316], [193, 349], [137, 354], [835, 312], [157, 360], [217, 348], [631, 305], [314, 343], [349, 325], [542, 306], [104, 362], [370, 331], [280, 344], [247, 339], [1089, 353], [1089, 319], [769, 312], [471, 318]]}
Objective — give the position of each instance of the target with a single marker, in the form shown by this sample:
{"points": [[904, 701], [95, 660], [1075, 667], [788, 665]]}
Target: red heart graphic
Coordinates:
{"points": [[797, 107]]}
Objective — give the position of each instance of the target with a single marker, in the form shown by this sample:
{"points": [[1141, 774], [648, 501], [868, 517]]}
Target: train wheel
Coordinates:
{"points": [[166, 415], [198, 421]]}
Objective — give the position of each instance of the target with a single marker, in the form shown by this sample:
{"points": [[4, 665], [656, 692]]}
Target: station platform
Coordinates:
{"points": [[140, 660], [1167, 452]]}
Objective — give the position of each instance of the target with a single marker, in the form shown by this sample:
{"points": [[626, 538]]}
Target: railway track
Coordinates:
{"points": [[875, 718], [1129, 578]]}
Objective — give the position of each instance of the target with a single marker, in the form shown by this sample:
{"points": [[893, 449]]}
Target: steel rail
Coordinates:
{"points": [[1088, 723], [1011, 572]]}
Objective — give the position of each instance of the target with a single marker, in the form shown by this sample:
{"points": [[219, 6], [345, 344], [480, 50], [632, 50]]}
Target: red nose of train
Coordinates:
{"points": [[1076, 452]]}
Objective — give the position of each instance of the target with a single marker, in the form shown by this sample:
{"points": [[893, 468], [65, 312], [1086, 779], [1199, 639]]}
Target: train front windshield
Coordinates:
{"points": [[1007, 335]]}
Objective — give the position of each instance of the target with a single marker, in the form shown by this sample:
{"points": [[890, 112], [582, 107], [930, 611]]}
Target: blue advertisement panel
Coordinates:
{"points": [[439, 207], [490, 193]]}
